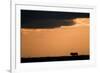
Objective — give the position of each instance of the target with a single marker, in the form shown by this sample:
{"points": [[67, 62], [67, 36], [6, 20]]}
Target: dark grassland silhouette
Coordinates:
{"points": [[74, 56]]}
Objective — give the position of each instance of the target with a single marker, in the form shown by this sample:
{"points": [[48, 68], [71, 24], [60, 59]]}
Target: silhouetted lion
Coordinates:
{"points": [[74, 54]]}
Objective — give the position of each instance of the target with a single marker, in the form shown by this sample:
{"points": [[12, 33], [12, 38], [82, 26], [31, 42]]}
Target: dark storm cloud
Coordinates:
{"points": [[50, 23], [48, 19]]}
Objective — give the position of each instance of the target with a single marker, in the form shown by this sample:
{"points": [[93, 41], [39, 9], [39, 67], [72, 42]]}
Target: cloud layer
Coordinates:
{"points": [[48, 19]]}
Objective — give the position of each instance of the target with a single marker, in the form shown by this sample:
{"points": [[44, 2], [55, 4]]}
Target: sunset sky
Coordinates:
{"points": [[45, 33]]}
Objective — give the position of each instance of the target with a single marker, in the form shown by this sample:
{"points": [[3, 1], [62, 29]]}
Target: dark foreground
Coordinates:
{"points": [[60, 58]]}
